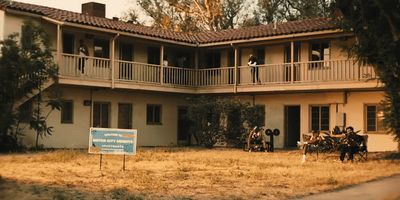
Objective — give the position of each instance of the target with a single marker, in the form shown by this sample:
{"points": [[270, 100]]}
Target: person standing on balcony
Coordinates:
{"points": [[254, 68], [83, 52]]}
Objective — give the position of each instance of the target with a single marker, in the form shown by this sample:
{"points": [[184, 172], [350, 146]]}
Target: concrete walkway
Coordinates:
{"points": [[383, 189]]}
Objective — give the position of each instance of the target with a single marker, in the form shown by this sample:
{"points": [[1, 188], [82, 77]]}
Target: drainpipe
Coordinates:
{"points": [[113, 61]]}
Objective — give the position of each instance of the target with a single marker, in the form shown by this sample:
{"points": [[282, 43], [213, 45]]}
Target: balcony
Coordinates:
{"points": [[301, 76]]}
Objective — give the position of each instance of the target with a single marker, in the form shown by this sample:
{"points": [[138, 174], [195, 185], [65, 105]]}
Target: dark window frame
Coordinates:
{"points": [[130, 47], [320, 44], [100, 117], [69, 36], [321, 126], [152, 119], [105, 48], [153, 55], [71, 120], [379, 127]]}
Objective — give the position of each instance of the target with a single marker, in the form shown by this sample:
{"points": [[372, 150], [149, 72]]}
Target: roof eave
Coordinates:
{"points": [[269, 38]]}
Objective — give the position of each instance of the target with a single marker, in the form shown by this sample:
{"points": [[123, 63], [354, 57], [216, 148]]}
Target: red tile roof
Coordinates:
{"points": [[286, 28]]}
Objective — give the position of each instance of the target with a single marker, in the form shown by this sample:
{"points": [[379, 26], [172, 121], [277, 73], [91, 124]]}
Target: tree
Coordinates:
{"points": [[24, 68], [290, 10], [190, 15], [216, 119], [376, 26]]}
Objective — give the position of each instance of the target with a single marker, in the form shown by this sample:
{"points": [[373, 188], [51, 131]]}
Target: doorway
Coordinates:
{"points": [[183, 127], [292, 125]]}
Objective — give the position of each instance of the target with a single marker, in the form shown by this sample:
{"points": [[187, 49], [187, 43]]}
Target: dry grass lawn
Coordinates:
{"points": [[182, 173]]}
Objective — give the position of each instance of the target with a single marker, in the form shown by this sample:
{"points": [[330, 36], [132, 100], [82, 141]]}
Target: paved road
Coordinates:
{"points": [[383, 189]]}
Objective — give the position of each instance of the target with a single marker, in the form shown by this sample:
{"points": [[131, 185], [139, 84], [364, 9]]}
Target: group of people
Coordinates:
{"points": [[350, 142]]}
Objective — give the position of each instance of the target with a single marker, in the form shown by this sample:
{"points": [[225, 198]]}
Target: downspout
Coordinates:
{"points": [[113, 61]]}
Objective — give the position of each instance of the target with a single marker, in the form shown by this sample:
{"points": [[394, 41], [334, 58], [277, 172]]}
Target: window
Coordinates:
{"points": [[260, 55], [153, 114], [101, 48], [213, 59], [68, 43], [67, 108], [319, 51], [373, 115], [319, 118], [296, 51], [101, 114], [125, 52], [153, 55], [125, 115]]}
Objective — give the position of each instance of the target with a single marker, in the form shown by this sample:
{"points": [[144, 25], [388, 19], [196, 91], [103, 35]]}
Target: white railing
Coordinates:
{"points": [[216, 76], [180, 76], [85, 66], [303, 72], [137, 72], [263, 74], [333, 71]]}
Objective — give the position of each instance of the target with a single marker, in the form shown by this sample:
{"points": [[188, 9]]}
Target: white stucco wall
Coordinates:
{"points": [[354, 109], [76, 135]]}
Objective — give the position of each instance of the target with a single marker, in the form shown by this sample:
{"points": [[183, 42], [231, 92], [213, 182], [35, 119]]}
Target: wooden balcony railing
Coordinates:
{"points": [[91, 67], [137, 72], [303, 72]]}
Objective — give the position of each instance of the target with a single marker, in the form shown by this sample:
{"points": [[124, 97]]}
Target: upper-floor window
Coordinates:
{"points": [[296, 51], [101, 48], [213, 59], [153, 55], [319, 51], [125, 52], [373, 118], [319, 118], [68, 43], [260, 55]]}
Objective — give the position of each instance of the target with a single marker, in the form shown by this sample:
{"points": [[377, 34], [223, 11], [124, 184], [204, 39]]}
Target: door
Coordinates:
{"points": [[125, 115], [183, 126], [292, 125], [288, 60]]}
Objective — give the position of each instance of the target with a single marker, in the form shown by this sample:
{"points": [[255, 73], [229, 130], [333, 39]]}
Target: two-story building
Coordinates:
{"points": [[138, 77]]}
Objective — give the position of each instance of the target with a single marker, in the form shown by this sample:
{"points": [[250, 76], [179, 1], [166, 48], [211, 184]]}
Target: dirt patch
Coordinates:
{"points": [[182, 173]]}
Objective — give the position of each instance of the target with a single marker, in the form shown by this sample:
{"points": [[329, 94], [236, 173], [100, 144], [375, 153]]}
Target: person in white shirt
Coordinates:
{"points": [[83, 52]]}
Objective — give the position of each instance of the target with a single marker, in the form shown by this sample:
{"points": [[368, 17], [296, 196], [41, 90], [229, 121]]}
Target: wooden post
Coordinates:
{"points": [[59, 35], [113, 61], [196, 66], [235, 73], [292, 62], [123, 166], [101, 158], [162, 67]]}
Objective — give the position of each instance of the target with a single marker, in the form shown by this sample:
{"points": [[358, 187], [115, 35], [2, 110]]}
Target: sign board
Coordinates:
{"points": [[112, 141]]}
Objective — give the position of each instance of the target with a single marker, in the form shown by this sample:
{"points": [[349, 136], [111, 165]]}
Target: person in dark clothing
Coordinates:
{"points": [[351, 143], [254, 68]]}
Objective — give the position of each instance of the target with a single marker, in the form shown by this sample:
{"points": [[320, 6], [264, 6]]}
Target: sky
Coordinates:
{"points": [[114, 8]]}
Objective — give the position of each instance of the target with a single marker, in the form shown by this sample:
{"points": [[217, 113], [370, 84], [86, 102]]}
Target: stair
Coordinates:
{"points": [[26, 98]]}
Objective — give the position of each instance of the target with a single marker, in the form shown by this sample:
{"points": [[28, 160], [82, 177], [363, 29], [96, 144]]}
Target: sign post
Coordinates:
{"points": [[112, 141]]}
